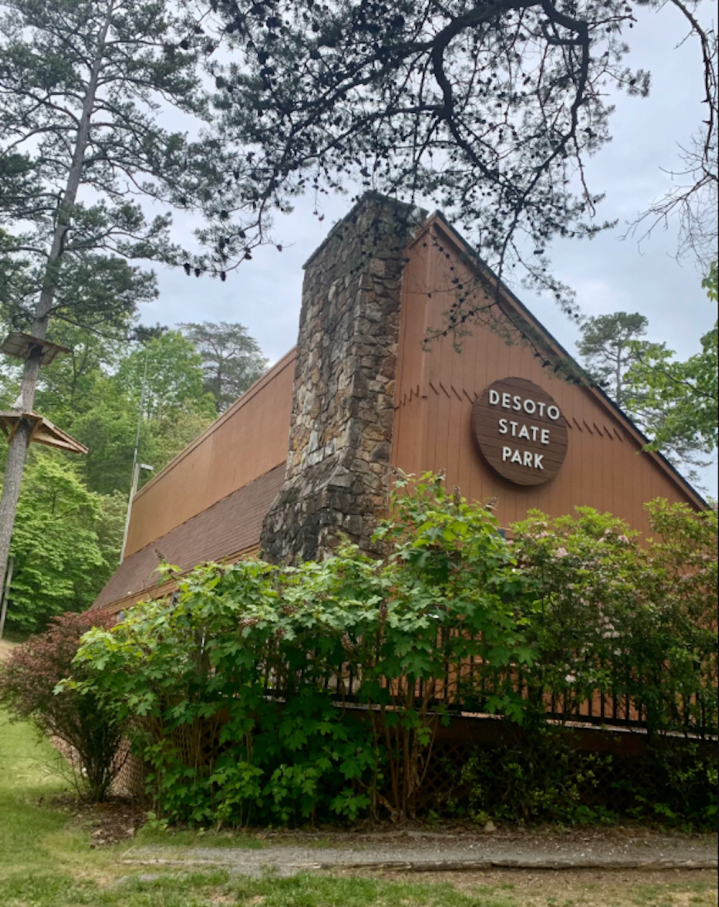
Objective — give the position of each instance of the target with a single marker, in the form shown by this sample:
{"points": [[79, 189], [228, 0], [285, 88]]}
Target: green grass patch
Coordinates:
{"points": [[64, 891], [313, 891], [174, 889], [202, 890], [46, 861], [30, 830]]}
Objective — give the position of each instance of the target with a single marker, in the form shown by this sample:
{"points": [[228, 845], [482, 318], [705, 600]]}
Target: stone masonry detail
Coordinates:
{"points": [[340, 445]]}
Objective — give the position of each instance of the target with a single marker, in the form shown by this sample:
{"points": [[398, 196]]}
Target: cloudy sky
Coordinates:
{"points": [[609, 274]]}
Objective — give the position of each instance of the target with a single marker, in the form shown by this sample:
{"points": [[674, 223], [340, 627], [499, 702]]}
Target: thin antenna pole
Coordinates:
{"points": [[135, 458]]}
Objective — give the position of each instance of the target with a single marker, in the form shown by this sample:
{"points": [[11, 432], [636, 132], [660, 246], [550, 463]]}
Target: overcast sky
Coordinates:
{"points": [[609, 274]]}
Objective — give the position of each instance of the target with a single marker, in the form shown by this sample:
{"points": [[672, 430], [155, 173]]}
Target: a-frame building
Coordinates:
{"points": [[307, 453]]}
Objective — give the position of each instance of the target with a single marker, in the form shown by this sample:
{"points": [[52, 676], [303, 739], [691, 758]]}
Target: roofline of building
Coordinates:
{"points": [[251, 392], [166, 587], [603, 398], [156, 543]]}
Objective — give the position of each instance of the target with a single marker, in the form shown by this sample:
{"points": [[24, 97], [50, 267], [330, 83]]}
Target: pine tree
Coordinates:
{"points": [[231, 359], [83, 86]]}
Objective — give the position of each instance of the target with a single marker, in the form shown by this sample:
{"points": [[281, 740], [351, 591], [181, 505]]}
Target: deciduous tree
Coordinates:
{"points": [[174, 408], [677, 401], [65, 543]]}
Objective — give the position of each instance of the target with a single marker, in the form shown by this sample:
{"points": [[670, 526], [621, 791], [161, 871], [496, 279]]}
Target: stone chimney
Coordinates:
{"points": [[340, 444]]}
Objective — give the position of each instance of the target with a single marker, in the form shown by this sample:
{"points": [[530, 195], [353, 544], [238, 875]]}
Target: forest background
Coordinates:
{"points": [[154, 387]]}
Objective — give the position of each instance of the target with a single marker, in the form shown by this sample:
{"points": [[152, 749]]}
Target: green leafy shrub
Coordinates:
{"points": [[678, 785], [242, 695], [633, 622], [284, 695], [28, 682]]}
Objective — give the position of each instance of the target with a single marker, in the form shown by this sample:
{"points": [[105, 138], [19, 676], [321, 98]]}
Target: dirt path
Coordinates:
{"points": [[427, 853], [5, 649]]}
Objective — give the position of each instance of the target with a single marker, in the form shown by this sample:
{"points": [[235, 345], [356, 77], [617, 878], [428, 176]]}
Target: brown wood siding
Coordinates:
{"points": [[436, 389], [246, 442], [231, 525]]}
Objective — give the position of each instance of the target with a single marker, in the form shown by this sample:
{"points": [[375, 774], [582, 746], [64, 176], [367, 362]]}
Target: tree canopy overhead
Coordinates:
{"points": [[489, 108]]}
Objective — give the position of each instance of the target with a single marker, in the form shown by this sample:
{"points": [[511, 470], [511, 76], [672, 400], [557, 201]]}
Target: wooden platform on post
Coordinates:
{"points": [[43, 431]]}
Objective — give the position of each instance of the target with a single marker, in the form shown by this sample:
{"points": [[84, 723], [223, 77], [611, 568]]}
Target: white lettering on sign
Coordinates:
{"points": [[529, 432], [530, 406], [523, 458], [520, 430]]}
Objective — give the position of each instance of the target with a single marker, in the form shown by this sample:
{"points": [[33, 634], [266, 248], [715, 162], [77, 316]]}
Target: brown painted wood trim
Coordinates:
{"points": [[437, 221], [287, 360]]}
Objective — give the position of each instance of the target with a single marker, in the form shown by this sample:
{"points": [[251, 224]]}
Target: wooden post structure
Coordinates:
{"points": [[23, 427], [6, 596]]}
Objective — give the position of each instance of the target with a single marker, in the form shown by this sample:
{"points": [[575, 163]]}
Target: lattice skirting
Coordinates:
{"points": [[619, 764], [609, 785], [130, 781]]}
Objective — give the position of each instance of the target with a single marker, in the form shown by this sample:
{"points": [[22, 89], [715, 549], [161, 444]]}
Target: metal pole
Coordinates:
{"points": [[6, 596], [135, 458], [133, 492]]}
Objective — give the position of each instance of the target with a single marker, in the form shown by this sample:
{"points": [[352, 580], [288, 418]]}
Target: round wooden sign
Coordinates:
{"points": [[520, 431]]}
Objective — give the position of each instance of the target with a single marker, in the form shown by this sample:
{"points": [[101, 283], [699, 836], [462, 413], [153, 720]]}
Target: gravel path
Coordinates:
{"points": [[426, 852]]}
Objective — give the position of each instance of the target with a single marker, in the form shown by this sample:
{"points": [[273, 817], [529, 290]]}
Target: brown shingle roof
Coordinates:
{"points": [[233, 524]]}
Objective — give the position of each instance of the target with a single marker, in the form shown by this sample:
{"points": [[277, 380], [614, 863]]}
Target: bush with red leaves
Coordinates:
{"points": [[27, 691]]}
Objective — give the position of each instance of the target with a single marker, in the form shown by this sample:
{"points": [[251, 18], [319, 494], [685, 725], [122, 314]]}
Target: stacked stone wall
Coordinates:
{"points": [[340, 444]]}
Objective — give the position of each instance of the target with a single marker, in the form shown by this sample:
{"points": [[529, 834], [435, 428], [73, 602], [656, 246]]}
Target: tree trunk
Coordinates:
{"points": [[17, 453], [11, 492], [618, 376], [16, 463]]}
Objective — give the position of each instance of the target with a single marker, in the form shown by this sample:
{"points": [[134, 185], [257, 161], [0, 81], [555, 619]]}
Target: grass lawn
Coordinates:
{"points": [[46, 861]]}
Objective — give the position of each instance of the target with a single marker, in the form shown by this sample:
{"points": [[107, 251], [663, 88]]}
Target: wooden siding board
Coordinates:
{"points": [[231, 525], [600, 470], [243, 444]]}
